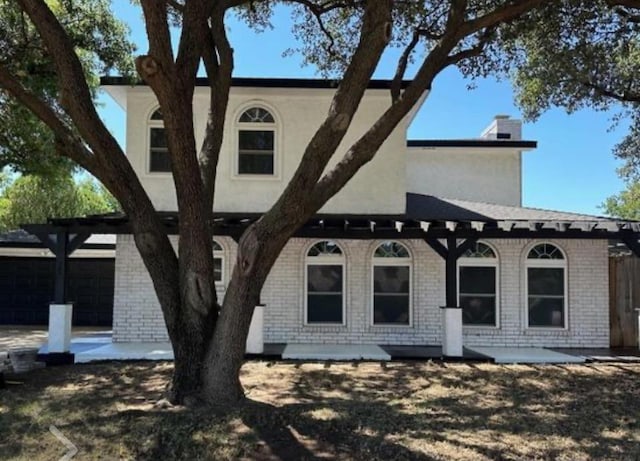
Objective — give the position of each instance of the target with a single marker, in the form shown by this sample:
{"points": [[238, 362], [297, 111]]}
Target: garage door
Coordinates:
{"points": [[27, 285]]}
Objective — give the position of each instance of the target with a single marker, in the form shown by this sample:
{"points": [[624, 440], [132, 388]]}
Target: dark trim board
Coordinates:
{"points": [[244, 82], [432, 143]]}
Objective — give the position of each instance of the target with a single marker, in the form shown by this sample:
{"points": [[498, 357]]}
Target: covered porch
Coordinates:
{"points": [[448, 227]]}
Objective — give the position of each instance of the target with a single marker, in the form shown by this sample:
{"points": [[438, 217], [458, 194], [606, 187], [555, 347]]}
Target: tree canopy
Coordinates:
{"points": [[34, 198], [583, 54], [101, 42]]}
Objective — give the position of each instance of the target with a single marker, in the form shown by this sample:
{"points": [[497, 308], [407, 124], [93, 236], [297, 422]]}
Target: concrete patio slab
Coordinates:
{"points": [[20, 337], [334, 352], [125, 351], [526, 355]]}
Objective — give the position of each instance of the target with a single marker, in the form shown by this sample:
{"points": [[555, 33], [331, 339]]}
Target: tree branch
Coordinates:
{"points": [[294, 206], [75, 149], [218, 60], [501, 15], [625, 96], [475, 50], [160, 57], [396, 82]]}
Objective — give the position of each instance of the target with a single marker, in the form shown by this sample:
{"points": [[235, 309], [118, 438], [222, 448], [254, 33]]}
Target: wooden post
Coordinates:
{"points": [[60, 293], [451, 273]]}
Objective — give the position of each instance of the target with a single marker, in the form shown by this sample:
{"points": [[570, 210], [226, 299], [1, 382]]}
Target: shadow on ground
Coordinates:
{"points": [[360, 411]]}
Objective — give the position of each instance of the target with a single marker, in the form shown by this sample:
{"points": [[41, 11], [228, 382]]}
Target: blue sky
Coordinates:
{"points": [[573, 168]]}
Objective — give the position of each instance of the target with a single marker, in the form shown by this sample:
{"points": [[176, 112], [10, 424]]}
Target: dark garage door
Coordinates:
{"points": [[26, 289]]}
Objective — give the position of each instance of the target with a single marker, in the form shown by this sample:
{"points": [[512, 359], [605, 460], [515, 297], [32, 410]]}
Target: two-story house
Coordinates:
{"points": [[428, 244]]}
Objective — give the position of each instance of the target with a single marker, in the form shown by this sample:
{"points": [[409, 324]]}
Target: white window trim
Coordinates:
{"points": [[380, 261], [546, 263], [276, 127], [482, 262], [325, 260], [147, 157]]}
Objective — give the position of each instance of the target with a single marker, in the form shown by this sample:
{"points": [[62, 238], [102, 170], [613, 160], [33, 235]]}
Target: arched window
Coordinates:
{"points": [[218, 263], [325, 284], [391, 284], [478, 286], [256, 142], [159, 161], [546, 268]]}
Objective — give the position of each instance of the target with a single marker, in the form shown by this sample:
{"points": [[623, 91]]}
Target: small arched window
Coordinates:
{"points": [[391, 284], [546, 268], [256, 142], [218, 262], [159, 161], [478, 286], [324, 294]]}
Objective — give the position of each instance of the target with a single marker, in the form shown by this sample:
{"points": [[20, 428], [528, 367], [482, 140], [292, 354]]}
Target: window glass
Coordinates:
{"points": [[478, 295], [158, 151], [255, 143], [391, 285], [255, 152], [477, 285], [546, 302], [217, 269], [218, 253], [325, 248], [324, 293]]}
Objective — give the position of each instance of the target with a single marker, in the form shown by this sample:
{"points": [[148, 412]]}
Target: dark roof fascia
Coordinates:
{"points": [[40, 245], [255, 82], [471, 143]]}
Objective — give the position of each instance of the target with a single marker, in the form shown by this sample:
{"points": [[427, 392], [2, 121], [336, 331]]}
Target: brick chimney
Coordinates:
{"points": [[503, 128]]}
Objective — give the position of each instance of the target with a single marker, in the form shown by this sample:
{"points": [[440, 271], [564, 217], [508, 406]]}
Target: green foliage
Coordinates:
{"points": [[101, 41], [626, 204], [577, 54], [33, 199]]}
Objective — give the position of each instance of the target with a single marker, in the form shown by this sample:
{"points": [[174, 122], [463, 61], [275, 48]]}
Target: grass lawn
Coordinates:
{"points": [[362, 411]]}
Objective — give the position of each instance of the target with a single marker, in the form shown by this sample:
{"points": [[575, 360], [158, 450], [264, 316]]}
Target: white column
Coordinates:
{"points": [[60, 327], [452, 332], [255, 338]]}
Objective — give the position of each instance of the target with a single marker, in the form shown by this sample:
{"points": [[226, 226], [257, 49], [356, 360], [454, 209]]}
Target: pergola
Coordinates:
{"points": [[449, 227]]}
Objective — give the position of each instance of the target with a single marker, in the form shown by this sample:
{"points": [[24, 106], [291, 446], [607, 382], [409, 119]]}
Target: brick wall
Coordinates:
{"points": [[137, 316]]}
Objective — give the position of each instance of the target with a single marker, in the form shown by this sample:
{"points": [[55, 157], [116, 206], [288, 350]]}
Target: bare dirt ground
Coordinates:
{"points": [[350, 411]]}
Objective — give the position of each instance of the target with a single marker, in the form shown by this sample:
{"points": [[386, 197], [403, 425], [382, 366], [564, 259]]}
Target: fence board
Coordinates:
{"points": [[624, 299]]}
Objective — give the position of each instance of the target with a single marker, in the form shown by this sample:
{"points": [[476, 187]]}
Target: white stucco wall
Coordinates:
{"points": [[476, 174], [137, 316], [379, 187]]}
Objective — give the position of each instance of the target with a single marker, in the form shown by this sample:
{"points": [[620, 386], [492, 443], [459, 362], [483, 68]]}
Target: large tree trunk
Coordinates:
{"points": [[221, 374], [190, 336]]}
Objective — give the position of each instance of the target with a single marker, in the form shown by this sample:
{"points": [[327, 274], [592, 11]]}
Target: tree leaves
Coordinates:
{"points": [[33, 199], [101, 41]]}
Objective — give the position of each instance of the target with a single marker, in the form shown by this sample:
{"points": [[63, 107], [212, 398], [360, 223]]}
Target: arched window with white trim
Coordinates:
{"points": [[159, 161], [325, 283], [478, 286], [391, 282], [256, 142], [546, 285], [218, 263]]}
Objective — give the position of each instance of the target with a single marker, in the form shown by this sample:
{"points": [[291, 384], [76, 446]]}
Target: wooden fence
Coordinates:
{"points": [[624, 299]]}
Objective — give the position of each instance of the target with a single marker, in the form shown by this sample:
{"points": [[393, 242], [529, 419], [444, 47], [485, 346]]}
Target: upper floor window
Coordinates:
{"points": [[546, 284], [478, 286], [391, 284], [159, 161], [325, 284], [256, 142]]}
